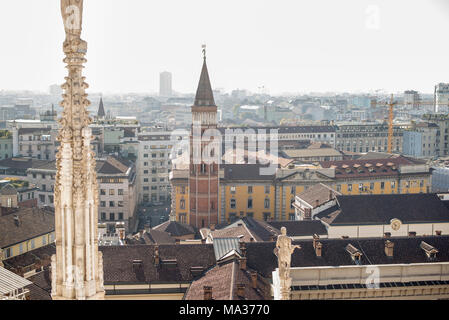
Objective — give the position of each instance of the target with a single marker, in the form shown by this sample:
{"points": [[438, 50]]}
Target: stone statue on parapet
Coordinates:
{"points": [[72, 15], [284, 250]]}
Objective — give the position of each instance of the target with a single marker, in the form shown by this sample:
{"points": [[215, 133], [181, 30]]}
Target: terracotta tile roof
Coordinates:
{"points": [[319, 192], [40, 255], [41, 287], [158, 237], [176, 229], [232, 232], [21, 163], [300, 228], [224, 280], [119, 268], [367, 168], [32, 222]]}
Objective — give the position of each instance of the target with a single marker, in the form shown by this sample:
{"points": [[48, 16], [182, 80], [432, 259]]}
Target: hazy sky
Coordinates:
{"points": [[284, 45]]}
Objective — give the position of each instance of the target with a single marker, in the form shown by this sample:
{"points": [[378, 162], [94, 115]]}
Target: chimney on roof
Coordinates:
{"points": [[243, 248], [156, 256], [251, 239], [316, 238], [317, 203], [242, 263], [241, 290], [16, 220], [318, 249], [207, 293], [254, 279], [212, 227], [137, 264], [389, 246]]}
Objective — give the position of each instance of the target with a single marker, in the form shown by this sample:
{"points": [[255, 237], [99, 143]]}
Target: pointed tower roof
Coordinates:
{"points": [[204, 95], [101, 113]]}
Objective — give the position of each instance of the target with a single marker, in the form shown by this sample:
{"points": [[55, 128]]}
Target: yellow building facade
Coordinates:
{"points": [[244, 193]]}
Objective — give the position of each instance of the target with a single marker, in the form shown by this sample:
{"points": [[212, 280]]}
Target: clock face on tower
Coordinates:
{"points": [[395, 224]]}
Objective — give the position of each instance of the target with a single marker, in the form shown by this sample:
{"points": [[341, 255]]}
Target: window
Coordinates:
{"points": [[233, 203], [338, 187], [349, 187], [250, 189], [8, 253], [111, 192], [120, 215], [266, 216], [371, 186], [44, 187], [120, 204], [103, 204], [233, 189], [360, 186], [33, 244], [250, 203], [103, 216], [393, 184], [120, 192], [21, 248], [293, 190], [44, 240], [112, 216], [291, 217], [102, 192], [182, 204], [111, 203], [42, 198], [382, 185], [267, 203], [267, 189]]}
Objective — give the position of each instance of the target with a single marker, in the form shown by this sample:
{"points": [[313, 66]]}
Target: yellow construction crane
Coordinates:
{"points": [[390, 124]]}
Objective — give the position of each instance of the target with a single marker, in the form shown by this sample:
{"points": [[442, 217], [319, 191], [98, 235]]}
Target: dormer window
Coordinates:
{"points": [[355, 253], [431, 251]]}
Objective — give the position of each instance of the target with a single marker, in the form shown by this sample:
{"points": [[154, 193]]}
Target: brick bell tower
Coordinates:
{"points": [[203, 175]]}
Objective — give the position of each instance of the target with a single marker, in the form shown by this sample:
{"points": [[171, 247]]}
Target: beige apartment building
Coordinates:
{"points": [[117, 189]]}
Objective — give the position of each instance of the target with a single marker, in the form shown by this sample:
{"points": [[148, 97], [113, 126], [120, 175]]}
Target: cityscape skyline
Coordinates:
{"points": [[366, 49]]}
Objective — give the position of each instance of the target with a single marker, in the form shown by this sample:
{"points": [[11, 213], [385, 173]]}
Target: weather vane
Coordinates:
{"points": [[204, 51]]}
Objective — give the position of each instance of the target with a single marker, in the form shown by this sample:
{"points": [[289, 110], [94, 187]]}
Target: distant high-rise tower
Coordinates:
{"points": [[203, 176], [441, 98], [165, 89]]}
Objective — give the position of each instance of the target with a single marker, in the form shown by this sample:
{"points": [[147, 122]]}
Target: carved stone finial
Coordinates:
{"points": [[76, 267]]}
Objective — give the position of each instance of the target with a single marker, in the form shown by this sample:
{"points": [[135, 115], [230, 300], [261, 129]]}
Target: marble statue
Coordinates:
{"points": [[284, 250]]}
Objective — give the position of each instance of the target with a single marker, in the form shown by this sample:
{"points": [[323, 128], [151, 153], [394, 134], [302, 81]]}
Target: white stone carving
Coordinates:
{"points": [[76, 273]]}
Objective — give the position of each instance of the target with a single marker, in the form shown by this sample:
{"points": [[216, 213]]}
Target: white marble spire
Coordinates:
{"points": [[77, 266]]}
